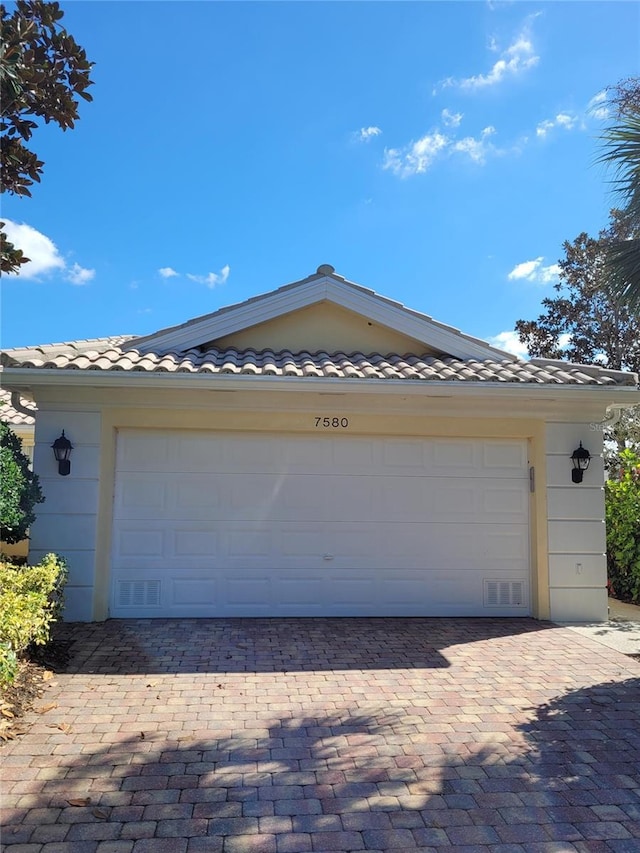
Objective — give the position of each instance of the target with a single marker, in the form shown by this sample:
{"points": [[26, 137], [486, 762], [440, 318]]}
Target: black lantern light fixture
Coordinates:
{"points": [[580, 458], [62, 448]]}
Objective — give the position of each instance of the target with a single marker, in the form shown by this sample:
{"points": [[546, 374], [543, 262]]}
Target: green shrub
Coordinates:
{"points": [[31, 599], [19, 488], [623, 528], [8, 664]]}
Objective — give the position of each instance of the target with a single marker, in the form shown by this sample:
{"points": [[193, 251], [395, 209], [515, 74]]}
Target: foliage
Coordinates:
{"points": [[584, 323], [625, 435], [31, 599], [621, 152], [19, 488], [625, 96], [43, 72], [623, 528], [8, 664]]}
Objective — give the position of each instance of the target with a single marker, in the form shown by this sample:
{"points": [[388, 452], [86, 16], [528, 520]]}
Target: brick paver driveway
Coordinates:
{"points": [[330, 735]]}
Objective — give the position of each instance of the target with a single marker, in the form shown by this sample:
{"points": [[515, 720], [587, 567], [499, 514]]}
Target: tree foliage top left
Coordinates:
{"points": [[43, 74]]}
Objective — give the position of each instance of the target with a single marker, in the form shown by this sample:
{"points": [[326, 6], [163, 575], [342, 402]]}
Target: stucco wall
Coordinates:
{"points": [[322, 327], [66, 521], [577, 540]]}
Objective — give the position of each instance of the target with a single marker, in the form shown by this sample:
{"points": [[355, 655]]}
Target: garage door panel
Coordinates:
{"points": [[196, 543], [143, 451], [299, 498], [252, 495], [249, 542], [354, 541], [504, 456], [307, 456], [504, 501], [355, 456], [140, 494], [298, 590], [403, 454], [250, 591], [192, 592], [216, 524], [197, 494], [301, 541], [454, 458], [196, 453], [457, 589], [141, 543]]}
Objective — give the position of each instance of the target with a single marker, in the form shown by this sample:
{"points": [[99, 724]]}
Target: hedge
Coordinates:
{"points": [[622, 508], [31, 599]]}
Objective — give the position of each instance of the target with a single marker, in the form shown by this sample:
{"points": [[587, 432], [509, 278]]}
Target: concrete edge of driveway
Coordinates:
{"points": [[620, 632]]}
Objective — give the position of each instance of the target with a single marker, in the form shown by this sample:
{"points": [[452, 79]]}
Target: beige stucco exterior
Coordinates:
{"points": [[322, 327]]}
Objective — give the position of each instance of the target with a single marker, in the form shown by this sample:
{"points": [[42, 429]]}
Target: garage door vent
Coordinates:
{"points": [[503, 593], [138, 593]]}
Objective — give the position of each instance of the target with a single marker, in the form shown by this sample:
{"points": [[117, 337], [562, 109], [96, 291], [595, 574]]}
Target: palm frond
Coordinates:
{"points": [[622, 154], [622, 269]]}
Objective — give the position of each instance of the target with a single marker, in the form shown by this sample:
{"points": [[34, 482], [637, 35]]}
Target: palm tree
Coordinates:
{"points": [[622, 153]]}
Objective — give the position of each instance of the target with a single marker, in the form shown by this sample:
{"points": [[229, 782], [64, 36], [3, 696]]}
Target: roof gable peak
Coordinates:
{"points": [[325, 285]]}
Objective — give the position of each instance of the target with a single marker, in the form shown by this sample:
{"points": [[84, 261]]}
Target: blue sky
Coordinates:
{"points": [[438, 153]]}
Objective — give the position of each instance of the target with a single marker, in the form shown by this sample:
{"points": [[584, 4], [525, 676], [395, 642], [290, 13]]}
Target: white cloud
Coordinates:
{"points": [[535, 271], [79, 275], [518, 57], [598, 107], [450, 119], [510, 342], [416, 157], [167, 272], [366, 134], [43, 254], [476, 149], [567, 121], [212, 279]]}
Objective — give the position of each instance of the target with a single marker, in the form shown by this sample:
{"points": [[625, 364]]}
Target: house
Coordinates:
{"points": [[319, 450]]}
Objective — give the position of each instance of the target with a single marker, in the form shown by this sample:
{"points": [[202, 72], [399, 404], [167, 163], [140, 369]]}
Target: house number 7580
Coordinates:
{"points": [[332, 423]]}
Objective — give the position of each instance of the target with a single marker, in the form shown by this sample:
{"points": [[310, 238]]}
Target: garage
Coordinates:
{"points": [[321, 524]]}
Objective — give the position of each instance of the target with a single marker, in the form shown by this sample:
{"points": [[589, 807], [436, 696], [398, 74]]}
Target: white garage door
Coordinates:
{"points": [[215, 524]]}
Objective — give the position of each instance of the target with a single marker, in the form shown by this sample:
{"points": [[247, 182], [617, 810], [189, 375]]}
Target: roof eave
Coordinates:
{"points": [[24, 379]]}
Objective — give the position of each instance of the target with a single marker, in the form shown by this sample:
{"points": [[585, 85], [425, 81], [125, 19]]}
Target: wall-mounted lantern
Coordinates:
{"points": [[62, 448], [580, 458]]}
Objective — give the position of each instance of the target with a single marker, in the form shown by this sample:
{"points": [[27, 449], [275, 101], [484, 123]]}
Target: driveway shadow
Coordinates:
{"points": [[181, 646], [564, 778]]}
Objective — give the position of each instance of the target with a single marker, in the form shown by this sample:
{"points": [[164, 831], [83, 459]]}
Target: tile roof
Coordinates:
{"points": [[12, 416], [113, 354]]}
